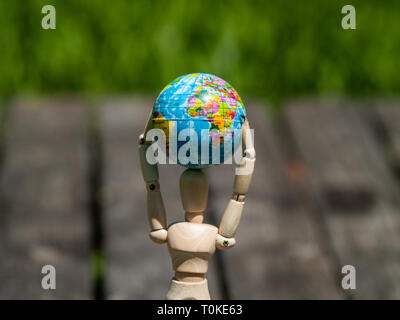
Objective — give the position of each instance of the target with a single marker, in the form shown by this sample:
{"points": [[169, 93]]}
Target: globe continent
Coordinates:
{"points": [[205, 110]]}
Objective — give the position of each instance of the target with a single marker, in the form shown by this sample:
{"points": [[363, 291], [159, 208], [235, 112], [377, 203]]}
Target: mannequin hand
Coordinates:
{"points": [[159, 236], [223, 243]]}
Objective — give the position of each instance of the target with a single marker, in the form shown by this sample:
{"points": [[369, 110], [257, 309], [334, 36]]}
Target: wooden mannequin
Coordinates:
{"points": [[191, 244]]}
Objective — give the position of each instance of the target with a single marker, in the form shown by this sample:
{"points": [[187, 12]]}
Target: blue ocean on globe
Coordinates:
{"points": [[205, 110]]}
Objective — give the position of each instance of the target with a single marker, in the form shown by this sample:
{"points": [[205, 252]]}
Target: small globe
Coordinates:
{"points": [[205, 110]]}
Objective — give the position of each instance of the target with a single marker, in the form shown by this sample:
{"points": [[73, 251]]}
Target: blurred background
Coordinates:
{"points": [[265, 48], [324, 105]]}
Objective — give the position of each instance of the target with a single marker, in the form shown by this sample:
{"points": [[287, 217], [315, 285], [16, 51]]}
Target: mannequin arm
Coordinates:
{"points": [[243, 175], [155, 204]]}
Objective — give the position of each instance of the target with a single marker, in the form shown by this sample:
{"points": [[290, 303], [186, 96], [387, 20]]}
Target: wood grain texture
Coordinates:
{"points": [[44, 194], [278, 254], [136, 267], [180, 290], [354, 189], [191, 245], [193, 187], [231, 219], [338, 203]]}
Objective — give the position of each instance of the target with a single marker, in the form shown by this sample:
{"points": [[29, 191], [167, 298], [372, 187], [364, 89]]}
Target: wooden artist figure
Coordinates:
{"points": [[192, 243]]}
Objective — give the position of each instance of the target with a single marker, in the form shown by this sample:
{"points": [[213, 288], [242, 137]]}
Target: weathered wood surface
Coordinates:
{"points": [[278, 254], [44, 190], [136, 268], [354, 190], [324, 195]]}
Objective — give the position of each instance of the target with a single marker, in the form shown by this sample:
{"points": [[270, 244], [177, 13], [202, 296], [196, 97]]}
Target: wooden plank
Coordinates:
{"points": [[389, 113], [136, 268], [353, 187], [44, 192], [279, 252]]}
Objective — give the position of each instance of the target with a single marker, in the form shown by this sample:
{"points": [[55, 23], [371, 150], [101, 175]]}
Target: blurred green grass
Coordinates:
{"points": [[270, 49]]}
